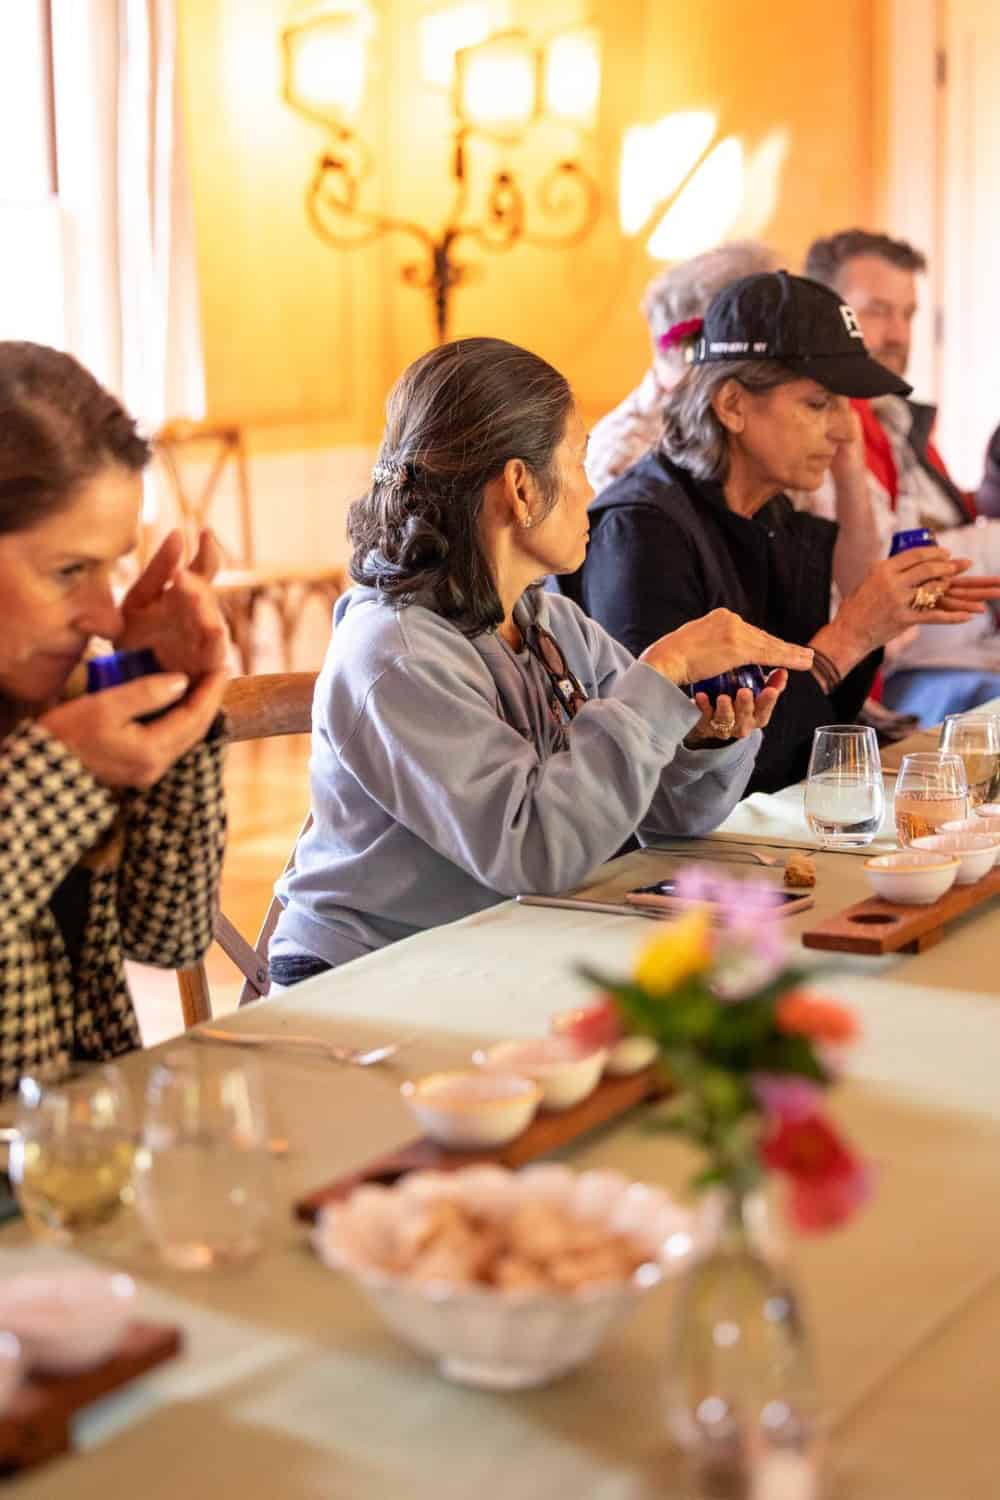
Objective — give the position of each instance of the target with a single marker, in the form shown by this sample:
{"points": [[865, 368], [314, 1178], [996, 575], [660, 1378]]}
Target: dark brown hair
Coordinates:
{"points": [[453, 420], [58, 428], [826, 259]]}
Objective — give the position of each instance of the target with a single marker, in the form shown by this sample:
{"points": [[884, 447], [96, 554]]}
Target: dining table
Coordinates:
{"points": [[290, 1385]]}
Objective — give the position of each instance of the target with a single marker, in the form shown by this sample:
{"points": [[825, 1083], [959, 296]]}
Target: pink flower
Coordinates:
{"points": [[785, 1096], [828, 1182], [749, 947]]}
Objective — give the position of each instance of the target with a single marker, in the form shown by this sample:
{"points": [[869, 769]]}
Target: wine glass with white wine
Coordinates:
{"points": [[71, 1158], [976, 738], [845, 798]]}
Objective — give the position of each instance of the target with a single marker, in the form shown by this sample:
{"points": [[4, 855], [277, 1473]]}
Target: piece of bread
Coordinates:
{"points": [[800, 870]]}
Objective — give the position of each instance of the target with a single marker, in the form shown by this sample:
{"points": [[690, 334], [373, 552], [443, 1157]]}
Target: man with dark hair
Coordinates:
{"points": [[937, 670]]}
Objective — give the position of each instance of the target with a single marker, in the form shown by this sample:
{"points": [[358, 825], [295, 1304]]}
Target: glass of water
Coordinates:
{"points": [[71, 1159], [845, 798], [204, 1173]]}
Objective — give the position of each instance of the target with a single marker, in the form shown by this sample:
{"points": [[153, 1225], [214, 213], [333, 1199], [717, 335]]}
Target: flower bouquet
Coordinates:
{"points": [[749, 1049]]}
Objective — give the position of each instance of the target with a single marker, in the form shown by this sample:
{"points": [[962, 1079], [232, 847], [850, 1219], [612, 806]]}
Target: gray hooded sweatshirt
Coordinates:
{"points": [[442, 783]]}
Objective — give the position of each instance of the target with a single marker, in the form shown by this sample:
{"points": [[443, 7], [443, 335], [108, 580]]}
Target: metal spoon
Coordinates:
{"points": [[359, 1057]]}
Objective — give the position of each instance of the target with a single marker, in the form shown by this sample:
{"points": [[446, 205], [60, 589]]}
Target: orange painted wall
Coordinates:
{"points": [[302, 341]]}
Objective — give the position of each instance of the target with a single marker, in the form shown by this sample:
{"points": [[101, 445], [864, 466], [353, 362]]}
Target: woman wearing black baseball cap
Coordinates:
{"points": [[704, 521]]}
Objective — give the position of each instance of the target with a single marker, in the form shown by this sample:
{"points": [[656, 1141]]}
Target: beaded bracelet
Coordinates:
{"points": [[825, 672]]}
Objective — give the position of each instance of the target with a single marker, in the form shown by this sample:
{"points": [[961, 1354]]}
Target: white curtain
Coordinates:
{"points": [[131, 295]]}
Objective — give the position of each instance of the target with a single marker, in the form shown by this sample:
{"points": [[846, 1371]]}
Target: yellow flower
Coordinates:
{"points": [[683, 950]]}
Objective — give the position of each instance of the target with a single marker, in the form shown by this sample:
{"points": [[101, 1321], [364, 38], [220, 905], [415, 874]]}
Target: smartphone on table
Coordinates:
{"points": [[663, 896]]}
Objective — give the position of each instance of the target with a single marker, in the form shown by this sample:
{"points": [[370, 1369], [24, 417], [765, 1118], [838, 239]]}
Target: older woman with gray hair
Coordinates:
{"points": [[671, 299], [704, 520]]}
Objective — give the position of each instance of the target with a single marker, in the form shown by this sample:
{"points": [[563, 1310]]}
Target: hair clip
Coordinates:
{"points": [[397, 475], [679, 334]]}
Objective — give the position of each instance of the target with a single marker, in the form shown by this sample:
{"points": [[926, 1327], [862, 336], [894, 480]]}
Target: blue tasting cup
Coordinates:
{"points": [[904, 540], [121, 667], [754, 678]]}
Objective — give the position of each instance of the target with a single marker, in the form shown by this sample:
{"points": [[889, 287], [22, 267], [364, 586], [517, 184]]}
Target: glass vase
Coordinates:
{"points": [[740, 1395]]}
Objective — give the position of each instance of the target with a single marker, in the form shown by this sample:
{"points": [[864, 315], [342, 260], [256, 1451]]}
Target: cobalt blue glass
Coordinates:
{"points": [[754, 678], [904, 540], [120, 667]]}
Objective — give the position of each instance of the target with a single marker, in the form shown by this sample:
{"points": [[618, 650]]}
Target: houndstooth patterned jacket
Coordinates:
{"points": [[154, 859]]}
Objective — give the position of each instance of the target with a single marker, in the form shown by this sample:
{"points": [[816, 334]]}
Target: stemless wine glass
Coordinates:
{"points": [[976, 738], [931, 789], [845, 798], [204, 1179], [71, 1160]]}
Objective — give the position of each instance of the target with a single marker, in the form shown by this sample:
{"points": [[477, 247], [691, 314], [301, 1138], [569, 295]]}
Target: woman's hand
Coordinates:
{"points": [[883, 606], [716, 643], [735, 718], [102, 729], [173, 610]]}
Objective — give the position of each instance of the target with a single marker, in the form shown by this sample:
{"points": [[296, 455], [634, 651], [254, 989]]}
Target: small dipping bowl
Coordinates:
{"points": [[590, 1024], [974, 824], [566, 1072], [464, 1109], [67, 1321], [911, 877], [976, 852]]}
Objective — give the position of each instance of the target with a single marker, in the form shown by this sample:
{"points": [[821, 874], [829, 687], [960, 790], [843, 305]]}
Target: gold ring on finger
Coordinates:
{"points": [[926, 597], [723, 728]]}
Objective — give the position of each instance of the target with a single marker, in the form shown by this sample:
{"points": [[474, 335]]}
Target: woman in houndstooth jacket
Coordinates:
{"points": [[111, 827]]}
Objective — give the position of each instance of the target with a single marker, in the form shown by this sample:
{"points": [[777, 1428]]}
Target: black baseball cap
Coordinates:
{"points": [[800, 323]]}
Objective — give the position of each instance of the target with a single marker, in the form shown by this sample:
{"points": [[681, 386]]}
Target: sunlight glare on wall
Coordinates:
{"points": [[705, 209], [762, 185], [655, 161]]}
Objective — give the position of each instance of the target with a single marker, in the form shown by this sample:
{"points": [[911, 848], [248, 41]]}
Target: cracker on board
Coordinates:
{"points": [[800, 869]]}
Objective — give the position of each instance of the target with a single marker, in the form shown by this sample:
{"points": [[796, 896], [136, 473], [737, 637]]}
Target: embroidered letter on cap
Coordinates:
{"points": [[851, 323]]}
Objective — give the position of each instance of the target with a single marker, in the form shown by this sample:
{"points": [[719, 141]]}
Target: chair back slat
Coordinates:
{"points": [[256, 708]]}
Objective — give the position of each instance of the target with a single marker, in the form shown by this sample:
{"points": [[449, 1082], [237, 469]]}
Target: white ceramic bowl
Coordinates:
{"points": [[67, 1320], [566, 1071], [626, 1054], [984, 827], [911, 877], [630, 1055], [976, 853], [987, 816], [481, 1335], [472, 1108]]}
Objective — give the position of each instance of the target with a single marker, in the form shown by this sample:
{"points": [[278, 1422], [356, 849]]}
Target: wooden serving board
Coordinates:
{"points": [[612, 1098], [38, 1424], [877, 926]]}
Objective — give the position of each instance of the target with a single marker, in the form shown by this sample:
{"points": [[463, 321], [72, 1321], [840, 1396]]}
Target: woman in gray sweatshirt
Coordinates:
{"points": [[473, 736]]}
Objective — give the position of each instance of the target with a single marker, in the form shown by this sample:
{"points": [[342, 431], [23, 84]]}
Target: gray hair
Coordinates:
{"points": [[693, 436], [685, 291]]}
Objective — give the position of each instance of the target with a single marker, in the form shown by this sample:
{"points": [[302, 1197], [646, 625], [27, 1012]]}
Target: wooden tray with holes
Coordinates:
{"points": [[38, 1424], [876, 926], [612, 1098]]}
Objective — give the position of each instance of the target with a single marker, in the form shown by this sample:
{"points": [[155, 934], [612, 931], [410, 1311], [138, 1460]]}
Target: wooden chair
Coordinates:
{"points": [[244, 586], [256, 708]]}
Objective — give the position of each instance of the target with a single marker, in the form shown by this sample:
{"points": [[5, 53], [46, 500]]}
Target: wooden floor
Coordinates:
{"points": [[268, 797]]}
